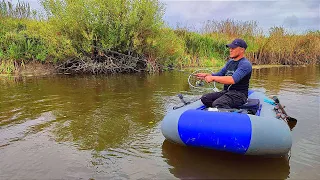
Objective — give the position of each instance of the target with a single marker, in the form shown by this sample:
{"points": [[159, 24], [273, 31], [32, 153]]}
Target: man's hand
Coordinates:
{"points": [[209, 78], [202, 75]]}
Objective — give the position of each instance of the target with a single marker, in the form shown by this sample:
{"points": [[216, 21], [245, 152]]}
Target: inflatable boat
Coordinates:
{"points": [[256, 128]]}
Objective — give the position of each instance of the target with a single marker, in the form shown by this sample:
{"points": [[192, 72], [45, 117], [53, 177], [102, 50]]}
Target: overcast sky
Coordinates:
{"points": [[295, 15]]}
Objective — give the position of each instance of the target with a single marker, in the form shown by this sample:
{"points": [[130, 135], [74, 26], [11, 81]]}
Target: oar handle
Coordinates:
{"points": [[288, 118], [181, 98], [276, 100]]}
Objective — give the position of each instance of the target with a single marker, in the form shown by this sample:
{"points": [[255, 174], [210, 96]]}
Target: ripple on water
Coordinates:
{"points": [[110, 127], [301, 89], [12, 133], [18, 109], [308, 153]]}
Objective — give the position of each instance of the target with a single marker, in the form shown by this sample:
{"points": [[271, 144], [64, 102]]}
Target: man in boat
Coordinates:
{"points": [[235, 76]]}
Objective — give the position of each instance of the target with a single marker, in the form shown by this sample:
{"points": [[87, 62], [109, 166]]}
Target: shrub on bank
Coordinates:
{"points": [[69, 29]]}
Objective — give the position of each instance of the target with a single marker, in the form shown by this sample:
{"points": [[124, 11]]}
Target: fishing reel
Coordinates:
{"points": [[201, 84]]}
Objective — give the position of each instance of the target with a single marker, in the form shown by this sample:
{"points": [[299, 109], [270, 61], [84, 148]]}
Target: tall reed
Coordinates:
{"points": [[279, 47], [20, 10]]}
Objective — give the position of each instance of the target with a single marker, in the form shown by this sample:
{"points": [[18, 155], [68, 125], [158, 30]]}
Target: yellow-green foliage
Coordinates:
{"points": [[120, 25], [202, 49], [57, 46], [6, 67], [32, 40], [166, 48], [282, 47], [23, 38], [232, 28], [69, 28]]}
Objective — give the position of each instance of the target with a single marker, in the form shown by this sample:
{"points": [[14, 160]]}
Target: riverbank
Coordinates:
{"points": [[33, 69], [26, 38], [44, 69]]}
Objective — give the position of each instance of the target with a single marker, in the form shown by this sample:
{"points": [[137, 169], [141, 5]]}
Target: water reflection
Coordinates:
{"points": [[109, 118], [92, 112], [298, 79], [197, 163]]}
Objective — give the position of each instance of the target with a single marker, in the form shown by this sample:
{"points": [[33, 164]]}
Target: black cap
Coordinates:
{"points": [[237, 43]]}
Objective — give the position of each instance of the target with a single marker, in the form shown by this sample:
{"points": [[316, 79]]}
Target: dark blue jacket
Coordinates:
{"points": [[241, 73]]}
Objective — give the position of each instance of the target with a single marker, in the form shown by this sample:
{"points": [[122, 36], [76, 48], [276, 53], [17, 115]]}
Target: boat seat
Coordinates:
{"points": [[251, 105]]}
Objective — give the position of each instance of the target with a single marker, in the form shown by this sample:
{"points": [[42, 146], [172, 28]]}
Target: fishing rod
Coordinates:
{"points": [[200, 84], [197, 84]]}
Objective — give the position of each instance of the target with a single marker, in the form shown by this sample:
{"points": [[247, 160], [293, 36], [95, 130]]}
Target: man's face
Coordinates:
{"points": [[236, 52]]}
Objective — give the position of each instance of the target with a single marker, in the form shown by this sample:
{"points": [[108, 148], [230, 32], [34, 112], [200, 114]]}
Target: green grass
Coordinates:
{"points": [[137, 26]]}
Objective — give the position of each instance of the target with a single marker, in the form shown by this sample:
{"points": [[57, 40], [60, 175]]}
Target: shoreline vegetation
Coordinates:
{"points": [[122, 36], [44, 69]]}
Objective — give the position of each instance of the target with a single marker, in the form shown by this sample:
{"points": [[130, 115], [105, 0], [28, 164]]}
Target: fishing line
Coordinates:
{"points": [[200, 85]]}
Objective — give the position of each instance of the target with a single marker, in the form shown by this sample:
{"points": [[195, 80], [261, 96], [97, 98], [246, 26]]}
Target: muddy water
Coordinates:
{"points": [[108, 127]]}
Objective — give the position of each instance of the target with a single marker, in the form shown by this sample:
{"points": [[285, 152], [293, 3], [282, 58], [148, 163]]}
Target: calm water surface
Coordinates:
{"points": [[108, 127]]}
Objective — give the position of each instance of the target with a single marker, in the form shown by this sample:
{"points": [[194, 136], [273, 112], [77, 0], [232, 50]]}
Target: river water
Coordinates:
{"points": [[108, 127]]}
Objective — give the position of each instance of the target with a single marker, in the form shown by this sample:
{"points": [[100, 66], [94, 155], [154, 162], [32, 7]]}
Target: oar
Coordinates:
{"points": [[288, 118], [182, 100]]}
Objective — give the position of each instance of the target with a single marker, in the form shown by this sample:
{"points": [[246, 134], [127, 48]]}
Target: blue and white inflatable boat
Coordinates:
{"points": [[258, 133]]}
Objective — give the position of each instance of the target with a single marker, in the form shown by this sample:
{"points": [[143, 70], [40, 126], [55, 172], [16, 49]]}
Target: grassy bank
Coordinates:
{"points": [[70, 29]]}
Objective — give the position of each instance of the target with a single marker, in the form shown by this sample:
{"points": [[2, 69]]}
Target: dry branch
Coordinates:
{"points": [[106, 62]]}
